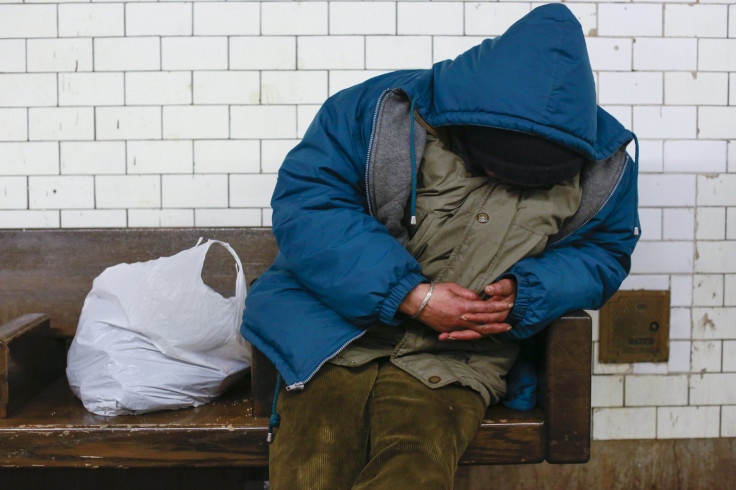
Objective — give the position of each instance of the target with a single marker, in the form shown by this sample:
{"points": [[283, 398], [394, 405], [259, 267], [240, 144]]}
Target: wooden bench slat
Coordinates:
{"points": [[55, 425]]}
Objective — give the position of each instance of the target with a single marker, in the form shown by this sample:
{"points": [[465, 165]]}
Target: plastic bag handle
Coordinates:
{"points": [[239, 285]]}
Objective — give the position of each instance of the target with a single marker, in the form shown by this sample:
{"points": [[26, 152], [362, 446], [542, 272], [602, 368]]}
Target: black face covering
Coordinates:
{"points": [[519, 158]]}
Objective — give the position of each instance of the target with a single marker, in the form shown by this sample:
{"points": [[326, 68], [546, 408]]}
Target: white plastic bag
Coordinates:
{"points": [[153, 336]]}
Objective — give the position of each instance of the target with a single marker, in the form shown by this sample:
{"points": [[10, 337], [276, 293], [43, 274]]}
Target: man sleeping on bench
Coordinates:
{"points": [[428, 221]]}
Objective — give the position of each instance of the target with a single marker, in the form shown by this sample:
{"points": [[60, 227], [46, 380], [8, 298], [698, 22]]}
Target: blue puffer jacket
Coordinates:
{"points": [[342, 191]]}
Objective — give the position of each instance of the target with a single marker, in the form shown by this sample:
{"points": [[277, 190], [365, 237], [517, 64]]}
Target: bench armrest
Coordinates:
{"points": [[565, 388], [30, 358], [263, 383]]}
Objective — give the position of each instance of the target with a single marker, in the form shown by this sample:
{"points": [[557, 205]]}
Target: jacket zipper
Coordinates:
{"points": [[299, 385]]}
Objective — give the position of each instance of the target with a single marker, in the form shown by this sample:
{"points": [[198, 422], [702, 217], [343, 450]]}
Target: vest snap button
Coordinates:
{"points": [[482, 218], [434, 379]]}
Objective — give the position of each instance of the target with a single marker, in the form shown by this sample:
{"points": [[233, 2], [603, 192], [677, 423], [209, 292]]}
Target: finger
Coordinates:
{"points": [[462, 292], [503, 287], [488, 306], [485, 318], [490, 328], [461, 335]]}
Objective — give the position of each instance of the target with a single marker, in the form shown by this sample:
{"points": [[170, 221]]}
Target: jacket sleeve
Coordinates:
{"points": [[584, 270], [334, 248]]}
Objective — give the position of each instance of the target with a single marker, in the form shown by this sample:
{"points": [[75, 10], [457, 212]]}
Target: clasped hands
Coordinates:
{"points": [[461, 314]]}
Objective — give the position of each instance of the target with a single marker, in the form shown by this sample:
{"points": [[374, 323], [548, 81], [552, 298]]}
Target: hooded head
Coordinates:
{"points": [[534, 79], [518, 158]]}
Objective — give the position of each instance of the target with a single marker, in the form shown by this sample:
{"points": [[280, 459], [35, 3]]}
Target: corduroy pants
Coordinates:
{"points": [[373, 426]]}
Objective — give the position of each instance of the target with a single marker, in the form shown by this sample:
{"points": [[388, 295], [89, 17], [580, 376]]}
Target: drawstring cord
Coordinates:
{"points": [[413, 169], [275, 419]]}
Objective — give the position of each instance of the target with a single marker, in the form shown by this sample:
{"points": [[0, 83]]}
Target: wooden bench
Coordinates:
{"points": [[44, 278]]}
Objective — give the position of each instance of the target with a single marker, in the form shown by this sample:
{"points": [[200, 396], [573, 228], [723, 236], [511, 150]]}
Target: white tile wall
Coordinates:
{"points": [[714, 323], [61, 192], [717, 54], [687, 422], [157, 218], [729, 356], [14, 192], [100, 20], [128, 191], [439, 18], [158, 88], [630, 88], [696, 88], [294, 18], [492, 18], [67, 123], [13, 124], [91, 89], [331, 52], [656, 390], [713, 389], [362, 18], [28, 21], [710, 223], [124, 123], [624, 423], [226, 87], [705, 356], [730, 290], [695, 20], [681, 290], [665, 54], [159, 157], [194, 53], [58, 55], [715, 257], [127, 53], [195, 122], [387, 53], [93, 218], [93, 157], [607, 391], [226, 18], [695, 156], [708, 290], [194, 191], [263, 53], [728, 419], [12, 55], [158, 19], [227, 156], [630, 20], [179, 113], [32, 90]]}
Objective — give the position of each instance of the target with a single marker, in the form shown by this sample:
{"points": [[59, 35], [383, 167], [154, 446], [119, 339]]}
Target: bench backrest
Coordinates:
{"points": [[51, 271]]}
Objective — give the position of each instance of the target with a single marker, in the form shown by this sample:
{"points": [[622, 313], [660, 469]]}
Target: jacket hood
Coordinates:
{"points": [[535, 78]]}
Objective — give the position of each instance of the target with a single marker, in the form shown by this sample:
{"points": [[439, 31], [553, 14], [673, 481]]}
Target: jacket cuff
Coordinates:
{"points": [[387, 309], [522, 301]]}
